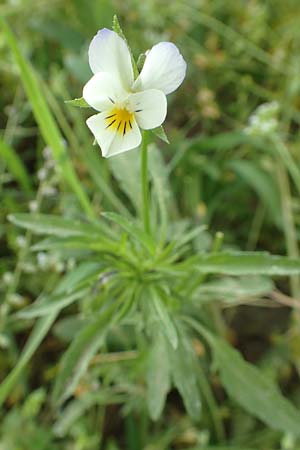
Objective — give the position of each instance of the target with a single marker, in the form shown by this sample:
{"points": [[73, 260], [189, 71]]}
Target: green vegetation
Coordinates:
{"points": [[184, 333]]}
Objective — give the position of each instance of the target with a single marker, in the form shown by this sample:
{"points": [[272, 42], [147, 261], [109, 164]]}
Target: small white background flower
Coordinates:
{"points": [[125, 104]]}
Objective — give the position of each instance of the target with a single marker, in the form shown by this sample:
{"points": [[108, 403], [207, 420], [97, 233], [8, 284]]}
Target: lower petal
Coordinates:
{"points": [[149, 107], [113, 141]]}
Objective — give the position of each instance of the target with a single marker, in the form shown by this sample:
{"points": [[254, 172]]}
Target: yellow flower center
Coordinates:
{"points": [[120, 120]]}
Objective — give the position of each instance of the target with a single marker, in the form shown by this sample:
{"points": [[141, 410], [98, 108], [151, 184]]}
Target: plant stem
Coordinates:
{"points": [[288, 222], [144, 181]]}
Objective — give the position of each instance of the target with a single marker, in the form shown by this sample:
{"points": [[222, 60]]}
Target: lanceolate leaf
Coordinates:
{"points": [[184, 374], [246, 263], [132, 229], [54, 225], [51, 304], [166, 321], [158, 376], [128, 163], [255, 392], [249, 387], [77, 357], [40, 329]]}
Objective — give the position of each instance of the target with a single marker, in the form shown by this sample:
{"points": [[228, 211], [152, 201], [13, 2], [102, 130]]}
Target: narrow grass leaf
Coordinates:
{"points": [[15, 165], [44, 118], [38, 333], [262, 183]]}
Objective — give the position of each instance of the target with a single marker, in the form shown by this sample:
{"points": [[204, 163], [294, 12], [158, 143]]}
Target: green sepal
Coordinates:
{"points": [[141, 61], [117, 29], [161, 134], [78, 102]]}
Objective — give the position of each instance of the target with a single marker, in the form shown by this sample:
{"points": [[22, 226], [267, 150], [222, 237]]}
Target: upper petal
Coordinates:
{"points": [[164, 69], [149, 107], [113, 142], [102, 91], [108, 52]]}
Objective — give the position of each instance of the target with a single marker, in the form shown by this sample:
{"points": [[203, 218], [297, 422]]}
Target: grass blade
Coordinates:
{"points": [[40, 330], [15, 165], [44, 118]]}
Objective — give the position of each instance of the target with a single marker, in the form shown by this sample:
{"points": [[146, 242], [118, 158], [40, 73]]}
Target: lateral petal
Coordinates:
{"points": [[164, 69], [108, 52], [102, 91], [149, 107]]}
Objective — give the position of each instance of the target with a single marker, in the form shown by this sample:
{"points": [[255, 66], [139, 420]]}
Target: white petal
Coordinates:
{"points": [[149, 107], [113, 142], [108, 52], [102, 91], [164, 69]]}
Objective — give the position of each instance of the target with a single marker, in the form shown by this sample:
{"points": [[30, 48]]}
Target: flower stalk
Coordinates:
{"points": [[145, 182]]}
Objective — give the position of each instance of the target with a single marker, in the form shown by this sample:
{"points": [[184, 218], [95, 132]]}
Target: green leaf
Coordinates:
{"points": [[80, 242], [78, 102], [161, 187], [233, 290], [249, 387], [77, 408], [54, 225], [184, 373], [75, 360], [161, 134], [38, 333], [83, 273], [51, 304], [222, 447], [126, 170], [221, 141], [72, 287], [15, 165], [246, 263], [252, 390], [158, 376], [40, 329], [45, 120], [133, 230], [262, 182], [167, 325]]}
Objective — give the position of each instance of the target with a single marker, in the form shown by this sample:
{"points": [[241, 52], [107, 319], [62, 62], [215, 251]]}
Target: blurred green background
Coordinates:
{"points": [[232, 167]]}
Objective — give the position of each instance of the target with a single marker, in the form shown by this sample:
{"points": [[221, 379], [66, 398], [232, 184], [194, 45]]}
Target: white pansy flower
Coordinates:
{"points": [[125, 104]]}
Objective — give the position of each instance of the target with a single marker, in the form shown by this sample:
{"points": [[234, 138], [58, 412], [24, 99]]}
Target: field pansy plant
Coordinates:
{"points": [[126, 104]]}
